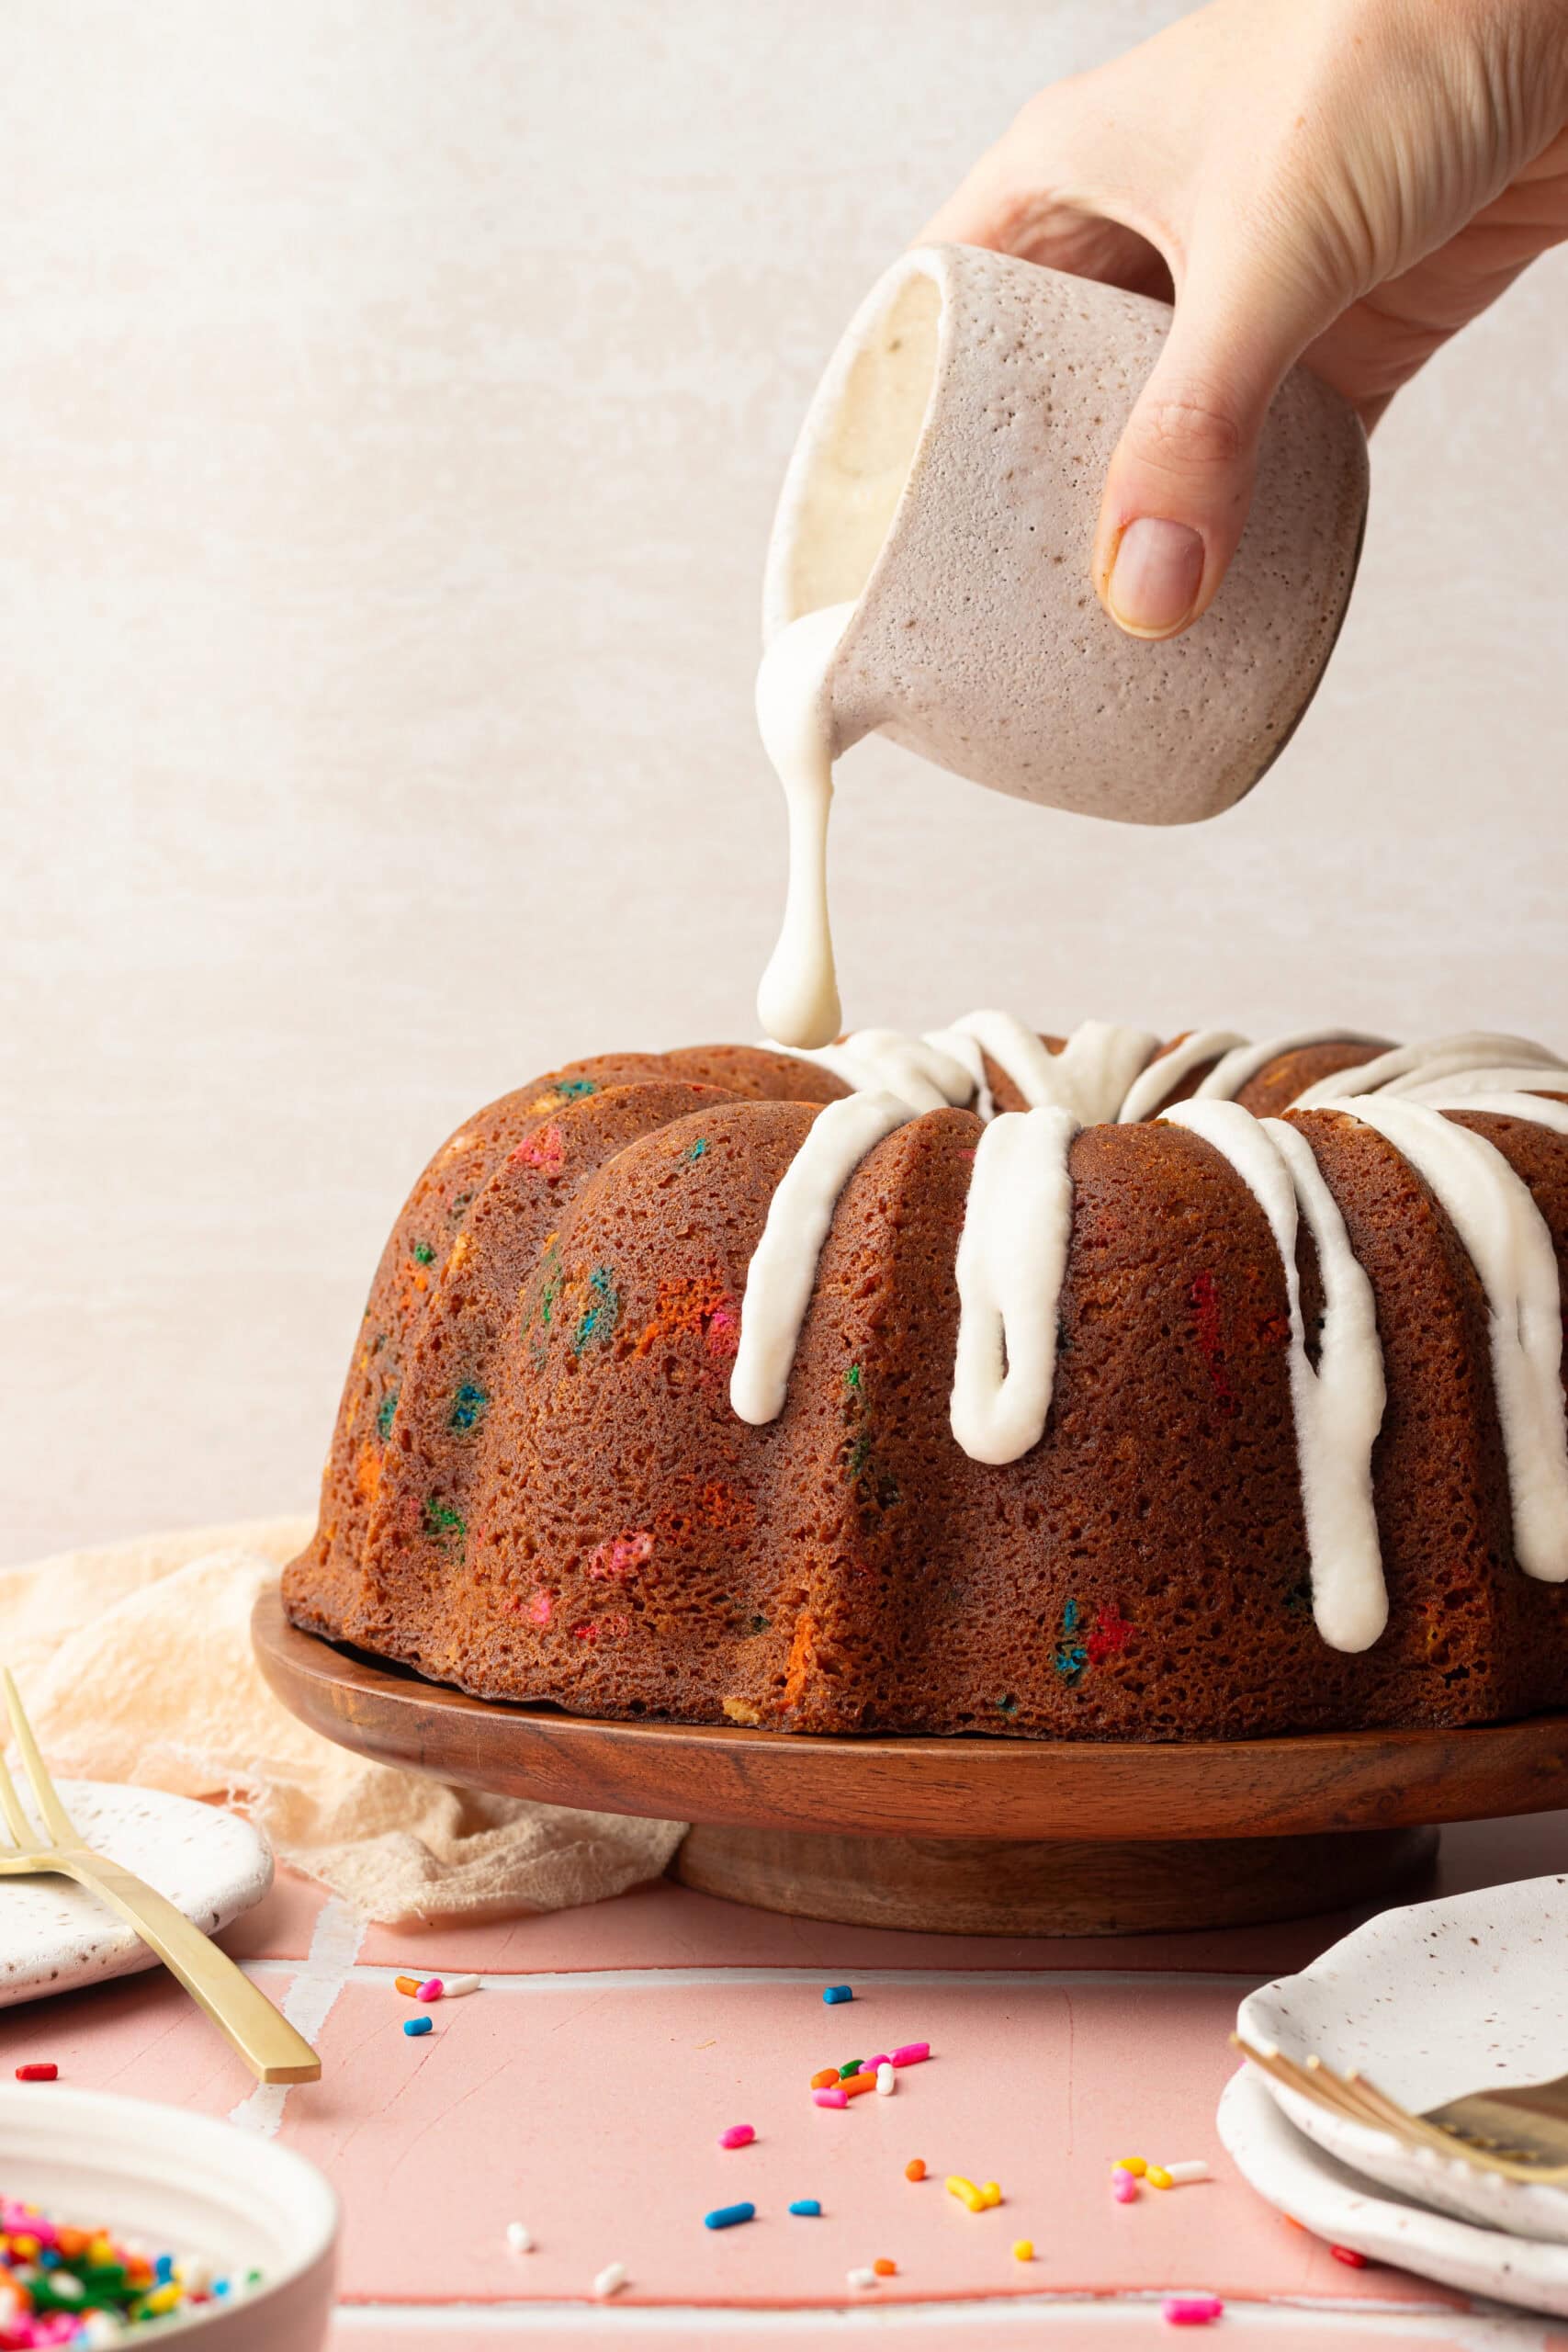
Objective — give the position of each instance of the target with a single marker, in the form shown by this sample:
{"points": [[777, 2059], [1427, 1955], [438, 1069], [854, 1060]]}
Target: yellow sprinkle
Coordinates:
{"points": [[100, 2251], [164, 2299], [1024, 2249], [991, 2194], [965, 2189], [1134, 2164], [1157, 2178]]}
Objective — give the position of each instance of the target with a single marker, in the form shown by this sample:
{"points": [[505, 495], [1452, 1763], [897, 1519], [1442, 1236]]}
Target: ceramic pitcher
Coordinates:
{"points": [[947, 481]]}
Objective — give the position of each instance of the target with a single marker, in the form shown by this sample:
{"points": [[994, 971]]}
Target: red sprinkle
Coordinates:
{"points": [[1348, 2254], [41, 2071]]}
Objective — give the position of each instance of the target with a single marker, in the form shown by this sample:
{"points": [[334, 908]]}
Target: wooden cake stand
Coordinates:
{"points": [[976, 1837]]}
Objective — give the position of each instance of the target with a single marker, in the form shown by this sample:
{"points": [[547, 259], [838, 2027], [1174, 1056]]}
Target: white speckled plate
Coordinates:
{"points": [[1430, 2002], [54, 1936], [1302, 2180]]}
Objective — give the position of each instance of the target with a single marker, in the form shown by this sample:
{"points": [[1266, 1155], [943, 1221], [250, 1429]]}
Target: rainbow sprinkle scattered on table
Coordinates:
{"points": [[61, 2285]]}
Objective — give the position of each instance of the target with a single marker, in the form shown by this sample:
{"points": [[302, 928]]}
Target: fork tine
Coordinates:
{"points": [[1321, 2087], [22, 1833], [57, 1821]]}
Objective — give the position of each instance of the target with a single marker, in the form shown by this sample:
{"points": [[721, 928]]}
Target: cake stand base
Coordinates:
{"points": [[985, 1887], [966, 1835]]}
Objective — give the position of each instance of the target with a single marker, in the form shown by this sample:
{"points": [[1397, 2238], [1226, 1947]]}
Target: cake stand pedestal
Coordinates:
{"points": [[975, 1837]]}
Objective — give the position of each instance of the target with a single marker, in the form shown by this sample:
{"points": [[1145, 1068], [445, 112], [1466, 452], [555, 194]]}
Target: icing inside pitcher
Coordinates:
{"points": [[853, 475]]}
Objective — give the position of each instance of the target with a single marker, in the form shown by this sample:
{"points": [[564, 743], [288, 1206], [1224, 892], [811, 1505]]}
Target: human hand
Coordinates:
{"points": [[1343, 181]]}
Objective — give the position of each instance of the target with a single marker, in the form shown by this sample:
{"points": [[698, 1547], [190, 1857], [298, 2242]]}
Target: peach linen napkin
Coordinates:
{"points": [[134, 1662]]}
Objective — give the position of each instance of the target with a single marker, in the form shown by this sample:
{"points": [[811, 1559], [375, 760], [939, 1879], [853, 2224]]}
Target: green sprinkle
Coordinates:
{"points": [[1070, 1618], [695, 1150], [597, 1322], [852, 1378], [384, 1412], [575, 1089], [424, 1252], [1007, 1706], [444, 1526], [852, 2068]]}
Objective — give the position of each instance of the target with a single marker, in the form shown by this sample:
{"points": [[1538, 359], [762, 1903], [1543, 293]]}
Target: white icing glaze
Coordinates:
{"points": [[798, 999], [1156, 1084], [1338, 1407], [1089, 1077], [1404, 1067], [1228, 1076], [782, 1272], [1451, 1092], [917, 1070], [1013, 1260], [1511, 1247], [1012, 1255]]}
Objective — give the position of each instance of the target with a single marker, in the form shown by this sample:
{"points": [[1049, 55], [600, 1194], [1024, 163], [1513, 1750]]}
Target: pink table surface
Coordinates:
{"points": [[583, 2088]]}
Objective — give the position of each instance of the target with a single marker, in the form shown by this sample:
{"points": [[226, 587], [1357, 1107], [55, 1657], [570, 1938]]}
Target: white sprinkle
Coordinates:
{"points": [[887, 2081], [1193, 2169], [610, 2281], [454, 1988], [862, 2279], [519, 2237]]}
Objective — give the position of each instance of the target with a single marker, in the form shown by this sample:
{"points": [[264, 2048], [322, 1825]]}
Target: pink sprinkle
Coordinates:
{"points": [[910, 2053], [831, 2098], [740, 2135], [1124, 2187], [1191, 2311], [539, 1609], [431, 1990], [870, 2066]]}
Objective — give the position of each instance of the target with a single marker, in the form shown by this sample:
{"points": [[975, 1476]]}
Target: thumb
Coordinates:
{"points": [[1180, 482]]}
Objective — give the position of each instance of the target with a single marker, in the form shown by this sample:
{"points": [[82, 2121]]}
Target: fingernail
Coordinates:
{"points": [[1156, 577]]}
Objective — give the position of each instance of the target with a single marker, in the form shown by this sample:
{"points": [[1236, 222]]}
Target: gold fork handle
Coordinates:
{"points": [[269, 2045]]}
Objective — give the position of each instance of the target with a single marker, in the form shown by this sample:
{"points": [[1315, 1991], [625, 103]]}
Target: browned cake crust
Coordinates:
{"points": [[537, 1487]]}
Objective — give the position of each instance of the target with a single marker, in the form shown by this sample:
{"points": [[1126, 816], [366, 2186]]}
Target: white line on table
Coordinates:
{"points": [[647, 1980], [1129, 2312], [319, 1978]]}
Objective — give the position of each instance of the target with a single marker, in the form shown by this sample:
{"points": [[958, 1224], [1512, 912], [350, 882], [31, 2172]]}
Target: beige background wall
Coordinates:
{"points": [[392, 403]]}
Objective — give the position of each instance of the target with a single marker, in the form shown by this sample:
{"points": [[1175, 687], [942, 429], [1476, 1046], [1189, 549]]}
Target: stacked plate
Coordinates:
{"points": [[1429, 2003]]}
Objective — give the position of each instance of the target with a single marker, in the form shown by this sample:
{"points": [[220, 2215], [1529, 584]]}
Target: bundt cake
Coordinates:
{"points": [[978, 1382]]}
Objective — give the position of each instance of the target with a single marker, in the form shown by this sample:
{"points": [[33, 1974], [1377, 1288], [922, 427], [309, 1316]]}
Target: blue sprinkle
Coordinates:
{"points": [[412, 2025], [163, 2269], [834, 1993], [723, 2217], [807, 2205], [219, 2289]]}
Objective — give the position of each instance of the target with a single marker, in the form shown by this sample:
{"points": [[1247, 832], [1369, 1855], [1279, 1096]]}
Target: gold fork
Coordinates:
{"points": [[264, 2039], [1521, 2134]]}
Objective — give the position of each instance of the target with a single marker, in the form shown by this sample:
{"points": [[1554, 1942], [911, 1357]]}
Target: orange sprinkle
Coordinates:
{"points": [[915, 2169], [826, 2079], [884, 2269], [858, 2083], [409, 1984]]}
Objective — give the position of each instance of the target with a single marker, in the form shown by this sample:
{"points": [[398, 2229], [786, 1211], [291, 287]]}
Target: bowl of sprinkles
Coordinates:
{"points": [[124, 2223]]}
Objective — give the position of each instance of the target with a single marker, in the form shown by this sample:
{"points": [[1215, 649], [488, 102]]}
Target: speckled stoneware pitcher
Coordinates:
{"points": [[946, 483]]}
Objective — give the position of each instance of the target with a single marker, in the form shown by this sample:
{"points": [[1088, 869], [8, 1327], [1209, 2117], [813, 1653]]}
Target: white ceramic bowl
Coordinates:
{"points": [[183, 2184]]}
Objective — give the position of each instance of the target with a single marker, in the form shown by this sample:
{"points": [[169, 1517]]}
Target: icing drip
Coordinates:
{"points": [[1089, 1077], [1013, 1260], [1337, 1407], [1237, 1068], [1405, 1067], [798, 999], [915, 1069], [782, 1272], [1159, 1082], [1511, 1247]]}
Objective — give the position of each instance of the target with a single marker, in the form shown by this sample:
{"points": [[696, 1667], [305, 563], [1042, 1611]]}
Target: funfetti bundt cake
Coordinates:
{"points": [[976, 1382]]}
